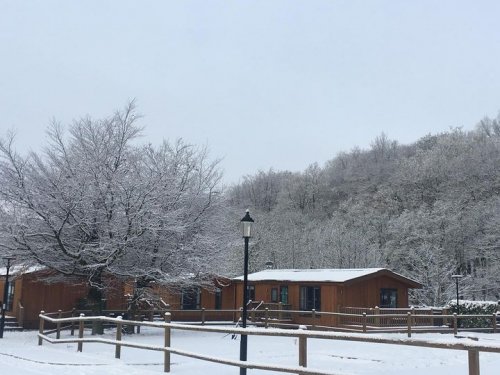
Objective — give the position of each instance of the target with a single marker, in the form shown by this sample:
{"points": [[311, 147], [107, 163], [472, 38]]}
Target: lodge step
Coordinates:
{"points": [[12, 329], [10, 324]]}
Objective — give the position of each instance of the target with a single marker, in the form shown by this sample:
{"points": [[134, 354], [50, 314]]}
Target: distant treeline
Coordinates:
{"points": [[427, 210]]}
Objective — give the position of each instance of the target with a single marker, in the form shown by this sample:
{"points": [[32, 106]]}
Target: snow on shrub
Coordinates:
{"points": [[474, 308]]}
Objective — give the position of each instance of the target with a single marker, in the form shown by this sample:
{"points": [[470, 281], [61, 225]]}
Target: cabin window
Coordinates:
{"points": [[190, 299], [251, 293], [10, 296], [218, 299], [284, 294], [274, 294], [310, 298], [388, 298]]}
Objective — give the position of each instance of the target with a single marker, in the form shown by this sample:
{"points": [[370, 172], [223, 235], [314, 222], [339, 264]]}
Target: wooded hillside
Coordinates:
{"points": [[427, 210]]}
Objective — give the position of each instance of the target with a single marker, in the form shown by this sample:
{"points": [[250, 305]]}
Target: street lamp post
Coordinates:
{"points": [[5, 297], [246, 226], [457, 279]]}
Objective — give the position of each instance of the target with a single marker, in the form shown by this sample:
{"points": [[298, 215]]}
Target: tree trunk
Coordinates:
{"points": [[96, 302]]}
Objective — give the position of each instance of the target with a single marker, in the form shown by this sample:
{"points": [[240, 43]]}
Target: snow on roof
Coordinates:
{"points": [[337, 275], [20, 269]]}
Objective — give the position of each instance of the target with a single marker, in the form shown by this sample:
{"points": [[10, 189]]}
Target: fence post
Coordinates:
{"points": [[455, 324], [302, 349], [338, 318], [494, 322], [73, 312], [414, 316], [20, 316], [267, 317], [377, 317], [364, 322], [81, 326], [166, 366], [473, 362], [409, 323], [253, 314], [40, 328], [118, 338], [166, 310], [280, 311], [313, 317], [58, 326], [202, 316], [445, 318]]}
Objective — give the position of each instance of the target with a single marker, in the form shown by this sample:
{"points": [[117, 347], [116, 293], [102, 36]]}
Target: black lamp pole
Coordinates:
{"points": [[246, 225], [457, 278], [5, 297]]}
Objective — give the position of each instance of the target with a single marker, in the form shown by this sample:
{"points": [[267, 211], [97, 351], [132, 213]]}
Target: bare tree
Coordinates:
{"points": [[95, 203]]}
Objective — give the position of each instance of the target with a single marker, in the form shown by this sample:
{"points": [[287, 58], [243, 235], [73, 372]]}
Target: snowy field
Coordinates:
{"points": [[20, 355]]}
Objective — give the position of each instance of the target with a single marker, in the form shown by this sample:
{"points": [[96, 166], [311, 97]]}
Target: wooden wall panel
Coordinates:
{"points": [[367, 293], [50, 297], [115, 294]]}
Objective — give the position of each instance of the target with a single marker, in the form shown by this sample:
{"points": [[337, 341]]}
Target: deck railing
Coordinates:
{"points": [[473, 348], [393, 317], [393, 322]]}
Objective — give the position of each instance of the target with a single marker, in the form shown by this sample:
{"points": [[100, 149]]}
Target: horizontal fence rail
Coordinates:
{"points": [[472, 347]]}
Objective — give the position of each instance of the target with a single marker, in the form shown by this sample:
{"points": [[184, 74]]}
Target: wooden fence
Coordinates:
{"points": [[473, 348], [359, 320]]}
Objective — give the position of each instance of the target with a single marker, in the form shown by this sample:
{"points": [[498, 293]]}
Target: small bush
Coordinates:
{"points": [[474, 308]]}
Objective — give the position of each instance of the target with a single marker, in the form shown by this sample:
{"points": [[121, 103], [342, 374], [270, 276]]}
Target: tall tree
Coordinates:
{"points": [[95, 202]]}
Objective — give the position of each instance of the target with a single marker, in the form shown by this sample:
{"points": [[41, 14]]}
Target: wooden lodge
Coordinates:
{"points": [[28, 294], [34, 289], [328, 290]]}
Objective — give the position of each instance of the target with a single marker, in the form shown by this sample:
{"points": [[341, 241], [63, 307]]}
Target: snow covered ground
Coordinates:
{"points": [[20, 355]]}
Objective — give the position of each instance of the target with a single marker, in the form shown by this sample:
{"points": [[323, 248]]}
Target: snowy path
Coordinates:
{"points": [[20, 355]]}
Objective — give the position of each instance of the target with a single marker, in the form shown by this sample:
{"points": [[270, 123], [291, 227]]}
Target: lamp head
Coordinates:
{"points": [[246, 225]]}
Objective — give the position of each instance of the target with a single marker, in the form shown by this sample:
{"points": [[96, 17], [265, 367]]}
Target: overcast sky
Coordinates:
{"points": [[264, 84]]}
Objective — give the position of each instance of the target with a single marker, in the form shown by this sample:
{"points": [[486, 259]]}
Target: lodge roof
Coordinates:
{"points": [[336, 275], [16, 270]]}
